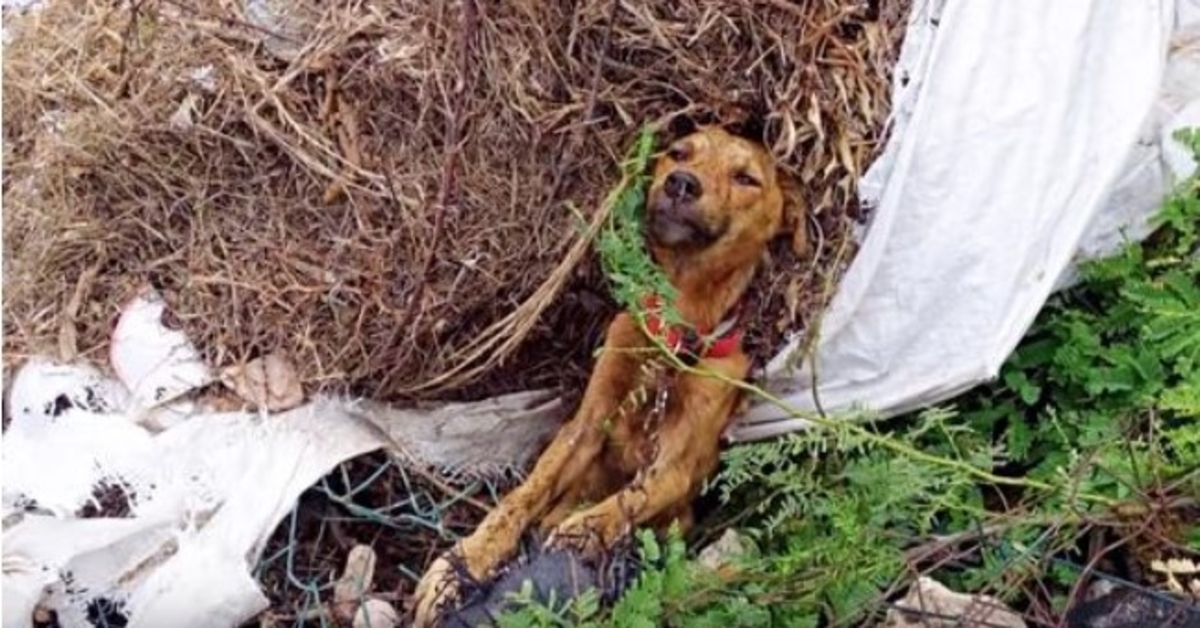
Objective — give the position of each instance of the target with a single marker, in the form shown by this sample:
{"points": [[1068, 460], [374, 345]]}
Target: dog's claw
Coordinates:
{"points": [[437, 588]]}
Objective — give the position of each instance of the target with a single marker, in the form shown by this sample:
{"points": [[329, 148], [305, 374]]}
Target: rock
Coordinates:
{"points": [[376, 613], [723, 551], [269, 383], [929, 604]]}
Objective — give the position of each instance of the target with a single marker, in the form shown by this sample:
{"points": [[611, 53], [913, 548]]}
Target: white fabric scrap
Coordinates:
{"points": [[205, 495], [487, 438], [205, 490], [157, 364]]}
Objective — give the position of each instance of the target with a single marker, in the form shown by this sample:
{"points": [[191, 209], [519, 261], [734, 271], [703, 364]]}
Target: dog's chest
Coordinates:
{"points": [[633, 434]]}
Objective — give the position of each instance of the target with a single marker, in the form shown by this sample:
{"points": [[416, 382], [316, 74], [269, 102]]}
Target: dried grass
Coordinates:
{"points": [[374, 187]]}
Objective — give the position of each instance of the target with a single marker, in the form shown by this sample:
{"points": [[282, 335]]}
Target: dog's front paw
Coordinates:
{"points": [[437, 589], [579, 533]]}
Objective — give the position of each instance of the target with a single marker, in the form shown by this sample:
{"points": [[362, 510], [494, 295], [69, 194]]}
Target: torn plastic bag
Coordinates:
{"points": [[201, 492]]}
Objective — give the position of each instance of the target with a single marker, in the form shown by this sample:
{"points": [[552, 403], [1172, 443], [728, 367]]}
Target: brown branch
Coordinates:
{"points": [[589, 109], [469, 24]]}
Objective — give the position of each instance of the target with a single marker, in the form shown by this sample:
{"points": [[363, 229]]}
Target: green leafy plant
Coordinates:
{"points": [[631, 271]]}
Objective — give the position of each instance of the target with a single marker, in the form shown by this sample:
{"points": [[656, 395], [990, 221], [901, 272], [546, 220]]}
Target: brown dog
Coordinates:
{"points": [[644, 440]]}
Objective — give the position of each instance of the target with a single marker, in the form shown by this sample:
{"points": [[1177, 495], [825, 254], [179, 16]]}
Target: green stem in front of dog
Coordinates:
{"points": [[626, 262], [859, 429]]}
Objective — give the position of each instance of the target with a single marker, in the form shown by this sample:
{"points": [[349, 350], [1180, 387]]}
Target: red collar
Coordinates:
{"points": [[694, 343]]}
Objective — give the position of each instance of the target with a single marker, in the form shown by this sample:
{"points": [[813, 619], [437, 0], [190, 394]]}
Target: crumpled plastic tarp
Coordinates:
{"points": [[1026, 136], [205, 489]]}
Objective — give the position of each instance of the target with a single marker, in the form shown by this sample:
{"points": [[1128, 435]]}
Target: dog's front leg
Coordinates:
{"points": [[573, 449], [688, 449]]}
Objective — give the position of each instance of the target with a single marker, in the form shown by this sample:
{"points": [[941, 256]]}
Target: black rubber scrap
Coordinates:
{"points": [[556, 575], [1129, 608]]}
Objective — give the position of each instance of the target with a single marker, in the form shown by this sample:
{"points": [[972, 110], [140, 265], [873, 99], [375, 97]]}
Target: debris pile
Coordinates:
{"points": [[380, 191]]}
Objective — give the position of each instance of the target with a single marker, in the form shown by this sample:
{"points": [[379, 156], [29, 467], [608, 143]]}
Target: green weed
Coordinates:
{"points": [[628, 266]]}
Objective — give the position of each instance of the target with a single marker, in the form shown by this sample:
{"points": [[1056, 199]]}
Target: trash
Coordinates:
{"points": [[376, 613], [929, 604], [355, 583], [352, 600], [65, 435], [472, 440], [1183, 575], [204, 78], [190, 524], [184, 117], [558, 575], [1125, 607], [155, 363]]}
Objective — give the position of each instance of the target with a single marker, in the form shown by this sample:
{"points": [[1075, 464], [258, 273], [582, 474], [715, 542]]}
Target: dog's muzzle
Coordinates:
{"points": [[673, 220], [670, 227]]}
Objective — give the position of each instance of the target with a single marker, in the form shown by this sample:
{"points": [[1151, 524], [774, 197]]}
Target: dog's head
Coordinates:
{"points": [[712, 189]]}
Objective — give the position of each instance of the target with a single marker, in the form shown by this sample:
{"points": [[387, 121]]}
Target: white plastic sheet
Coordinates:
{"points": [[1026, 135], [205, 490], [205, 494], [195, 520]]}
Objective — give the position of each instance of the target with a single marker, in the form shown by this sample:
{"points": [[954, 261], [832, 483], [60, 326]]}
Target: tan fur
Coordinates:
{"points": [[614, 467]]}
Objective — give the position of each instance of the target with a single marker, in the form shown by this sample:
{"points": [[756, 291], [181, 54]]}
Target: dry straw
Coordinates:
{"points": [[382, 190]]}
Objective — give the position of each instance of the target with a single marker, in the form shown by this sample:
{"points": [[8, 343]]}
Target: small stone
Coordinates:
{"points": [[376, 613], [355, 582], [269, 383], [930, 604], [723, 551]]}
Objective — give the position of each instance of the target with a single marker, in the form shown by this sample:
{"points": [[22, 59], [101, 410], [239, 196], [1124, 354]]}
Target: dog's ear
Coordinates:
{"points": [[752, 128], [795, 214], [681, 125]]}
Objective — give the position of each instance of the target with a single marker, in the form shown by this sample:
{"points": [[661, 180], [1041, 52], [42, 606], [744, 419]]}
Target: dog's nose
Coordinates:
{"points": [[682, 186]]}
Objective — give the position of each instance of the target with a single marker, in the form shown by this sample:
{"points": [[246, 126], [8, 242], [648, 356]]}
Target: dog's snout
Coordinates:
{"points": [[682, 186]]}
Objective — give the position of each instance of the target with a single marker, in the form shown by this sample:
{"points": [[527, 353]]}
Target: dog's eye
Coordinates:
{"points": [[746, 179], [677, 153]]}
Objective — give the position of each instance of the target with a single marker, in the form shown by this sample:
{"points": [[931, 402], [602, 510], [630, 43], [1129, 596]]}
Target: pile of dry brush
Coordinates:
{"points": [[394, 193]]}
